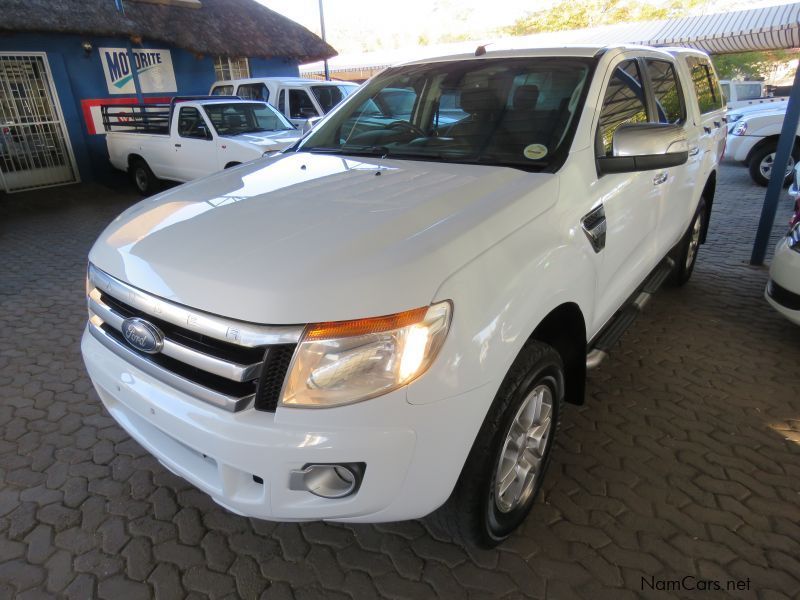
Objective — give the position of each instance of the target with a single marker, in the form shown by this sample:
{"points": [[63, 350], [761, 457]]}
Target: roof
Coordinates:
{"points": [[282, 80], [215, 27], [765, 28]]}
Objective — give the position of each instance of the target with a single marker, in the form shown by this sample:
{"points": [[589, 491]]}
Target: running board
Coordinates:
{"points": [[625, 317]]}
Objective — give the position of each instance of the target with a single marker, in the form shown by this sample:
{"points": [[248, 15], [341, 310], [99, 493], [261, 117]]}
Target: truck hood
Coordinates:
{"points": [[267, 140], [308, 237]]}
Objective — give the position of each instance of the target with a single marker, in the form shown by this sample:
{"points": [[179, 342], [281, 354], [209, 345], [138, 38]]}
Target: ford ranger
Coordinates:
{"points": [[387, 319], [191, 137]]}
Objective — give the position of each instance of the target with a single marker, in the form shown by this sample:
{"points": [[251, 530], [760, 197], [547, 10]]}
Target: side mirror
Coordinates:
{"points": [[310, 124], [644, 147]]}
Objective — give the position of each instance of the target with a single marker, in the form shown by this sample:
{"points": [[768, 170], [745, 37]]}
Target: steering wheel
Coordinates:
{"points": [[408, 127]]}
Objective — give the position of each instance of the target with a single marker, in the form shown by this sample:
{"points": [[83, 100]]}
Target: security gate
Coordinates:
{"points": [[34, 146]]}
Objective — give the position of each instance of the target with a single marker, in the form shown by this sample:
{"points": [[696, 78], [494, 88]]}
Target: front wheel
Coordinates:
{"points": [[686, 252], [143, 177], [762, 162], [509, 458]]}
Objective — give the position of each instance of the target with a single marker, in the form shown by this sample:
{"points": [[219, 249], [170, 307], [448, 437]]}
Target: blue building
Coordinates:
{"points": [[60, 60]]}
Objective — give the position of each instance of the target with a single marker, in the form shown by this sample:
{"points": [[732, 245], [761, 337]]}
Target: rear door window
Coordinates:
{"points": [[624, 102], [253, 91], [670, 106], [300, 105], [706, 85]]}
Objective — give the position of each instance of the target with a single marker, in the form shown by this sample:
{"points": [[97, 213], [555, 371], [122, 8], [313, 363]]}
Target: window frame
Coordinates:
{"points": [[649, 105], [232, 66], [264, 89], [208, 137], [678, 86], [698, 62], [309, 95]]}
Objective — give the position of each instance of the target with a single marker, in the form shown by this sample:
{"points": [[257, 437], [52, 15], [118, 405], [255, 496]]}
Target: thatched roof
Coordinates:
{"points": [[217, 27]]}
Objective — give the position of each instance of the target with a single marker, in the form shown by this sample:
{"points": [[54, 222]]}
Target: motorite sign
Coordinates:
{"points": [[153, 66]]}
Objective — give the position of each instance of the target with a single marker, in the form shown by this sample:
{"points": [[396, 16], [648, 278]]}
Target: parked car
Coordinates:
{"points": [[783, 288], [296, 98], [735, 114], [390, 322], [191, 137], [739, 93], [753, 141]]}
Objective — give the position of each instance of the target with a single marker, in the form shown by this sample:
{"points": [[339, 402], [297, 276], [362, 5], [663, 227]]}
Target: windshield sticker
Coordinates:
{"points": [[535, 151]]}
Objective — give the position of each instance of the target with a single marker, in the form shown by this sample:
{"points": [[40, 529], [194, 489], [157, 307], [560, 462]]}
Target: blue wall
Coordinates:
{"points": [[78, 76]]}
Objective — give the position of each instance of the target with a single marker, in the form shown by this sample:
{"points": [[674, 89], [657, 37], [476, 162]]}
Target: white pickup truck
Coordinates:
{"points": [[298, 99], [753, 141], [389, 317], [191, 137]]}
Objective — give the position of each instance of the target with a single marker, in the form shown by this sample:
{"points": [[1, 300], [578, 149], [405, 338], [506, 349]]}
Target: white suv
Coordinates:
{"points": [[387, 318], [298, 99]]}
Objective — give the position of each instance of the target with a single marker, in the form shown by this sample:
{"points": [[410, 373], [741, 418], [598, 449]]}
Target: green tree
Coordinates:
{"points": [[580, 14], [750, 65]]}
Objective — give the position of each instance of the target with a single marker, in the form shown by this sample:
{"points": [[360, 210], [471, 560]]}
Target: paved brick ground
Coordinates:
{"points": [[685, 460]]}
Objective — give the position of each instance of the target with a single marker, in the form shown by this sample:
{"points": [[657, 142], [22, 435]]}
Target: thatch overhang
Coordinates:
{"points": [[215, 27]]}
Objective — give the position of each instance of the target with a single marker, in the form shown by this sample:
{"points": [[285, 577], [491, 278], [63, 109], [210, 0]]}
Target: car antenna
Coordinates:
{"points": [[481, 50]]}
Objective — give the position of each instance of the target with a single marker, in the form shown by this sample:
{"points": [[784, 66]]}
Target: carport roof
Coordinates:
{"points": [[764, 28]]}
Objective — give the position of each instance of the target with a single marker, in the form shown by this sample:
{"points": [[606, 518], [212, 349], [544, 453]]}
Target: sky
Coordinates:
{"points": [[355, 26]]}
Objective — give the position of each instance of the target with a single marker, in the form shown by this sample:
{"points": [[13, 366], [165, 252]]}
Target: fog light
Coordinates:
{"points": [[328, 480]]}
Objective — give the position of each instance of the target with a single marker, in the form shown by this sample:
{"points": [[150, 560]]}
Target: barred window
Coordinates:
{"points": [[231, 68]]}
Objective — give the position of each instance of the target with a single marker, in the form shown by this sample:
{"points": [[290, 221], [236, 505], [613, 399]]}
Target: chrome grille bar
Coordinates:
{"points": [[182, 384], [206, 362], [241, 333]]}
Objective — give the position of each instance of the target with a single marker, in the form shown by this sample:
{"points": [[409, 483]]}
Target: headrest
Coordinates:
{"points": [[233, 120], [480, 99], [526, 97]]}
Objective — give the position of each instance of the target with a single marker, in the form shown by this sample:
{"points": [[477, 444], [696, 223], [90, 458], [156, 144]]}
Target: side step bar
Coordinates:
{"points": [[625, 317]]}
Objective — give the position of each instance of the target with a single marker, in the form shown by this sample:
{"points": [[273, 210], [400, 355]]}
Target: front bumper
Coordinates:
{"points": [[783, 288], [738, 147], [413, 453]]}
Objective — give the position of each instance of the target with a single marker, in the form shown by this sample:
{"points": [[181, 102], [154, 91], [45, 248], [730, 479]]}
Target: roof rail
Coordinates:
{"points": [[176, 99]]}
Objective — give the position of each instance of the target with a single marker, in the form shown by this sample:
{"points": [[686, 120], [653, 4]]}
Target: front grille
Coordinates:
{"points": [[783, 296], [231, 364]]}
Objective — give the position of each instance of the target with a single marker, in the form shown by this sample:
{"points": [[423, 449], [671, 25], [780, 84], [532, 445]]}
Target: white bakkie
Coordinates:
{"points": [[191, 137], [388, 318]]}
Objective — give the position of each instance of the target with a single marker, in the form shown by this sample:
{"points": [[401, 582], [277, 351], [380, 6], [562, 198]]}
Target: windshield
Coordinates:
{"points": [[329, 96], [240, 117], [518, 112]]}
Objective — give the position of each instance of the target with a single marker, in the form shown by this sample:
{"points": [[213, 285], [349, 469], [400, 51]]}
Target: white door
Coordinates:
{"points": [[35, 151], [675, 206], [629, 200], [195, 148]]}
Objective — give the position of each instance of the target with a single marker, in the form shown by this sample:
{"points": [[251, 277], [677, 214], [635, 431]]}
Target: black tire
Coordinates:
{"points": [[472, 513], [762, 154], [143, 178], [685, 253]]}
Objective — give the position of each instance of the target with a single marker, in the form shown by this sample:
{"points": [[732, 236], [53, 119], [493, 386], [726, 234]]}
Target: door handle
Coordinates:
{"points": [[660, 178], [706, 129], [177, 145], [693, 150], [717, 124]]}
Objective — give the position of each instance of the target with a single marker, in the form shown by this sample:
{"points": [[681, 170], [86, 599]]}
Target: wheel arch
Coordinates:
{"points": [[133, 157], [233, 163], [770, 139], [564, 328], [709, 189]]}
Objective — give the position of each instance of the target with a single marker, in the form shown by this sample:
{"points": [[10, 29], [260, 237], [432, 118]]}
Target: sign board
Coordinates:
{"points": [[153, 66]]}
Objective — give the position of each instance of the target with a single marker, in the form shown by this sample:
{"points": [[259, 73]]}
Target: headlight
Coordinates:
{"points": [[740, 129], [794, 238], [350, 361]]}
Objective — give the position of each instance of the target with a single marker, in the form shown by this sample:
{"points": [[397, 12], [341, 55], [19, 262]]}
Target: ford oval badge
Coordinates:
{"points": [[142, 335]]}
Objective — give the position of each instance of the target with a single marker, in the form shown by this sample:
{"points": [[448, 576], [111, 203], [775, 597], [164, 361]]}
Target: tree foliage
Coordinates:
{"points": [[579, 14], [750, 65]]}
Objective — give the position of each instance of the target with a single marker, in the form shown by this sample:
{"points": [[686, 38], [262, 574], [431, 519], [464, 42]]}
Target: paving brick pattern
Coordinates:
{"points": [[684, 461]]}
